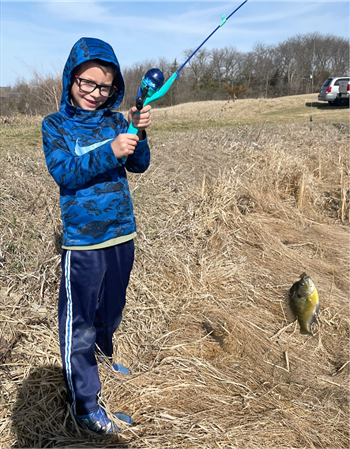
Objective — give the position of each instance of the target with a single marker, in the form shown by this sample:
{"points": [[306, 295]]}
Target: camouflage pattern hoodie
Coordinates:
{"points": [[96, 205]]}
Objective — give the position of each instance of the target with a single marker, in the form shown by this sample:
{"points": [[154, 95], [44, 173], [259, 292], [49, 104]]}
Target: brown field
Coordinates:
{"points": [[240, 199]]}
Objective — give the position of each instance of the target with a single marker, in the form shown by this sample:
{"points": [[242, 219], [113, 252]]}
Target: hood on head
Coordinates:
{"points": [[87, 49]]}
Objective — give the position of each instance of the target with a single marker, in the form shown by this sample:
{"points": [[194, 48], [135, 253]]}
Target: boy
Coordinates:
{"points": [[87, 152]]}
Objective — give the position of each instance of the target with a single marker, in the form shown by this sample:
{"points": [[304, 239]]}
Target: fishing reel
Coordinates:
{"points": [[151, 82]]}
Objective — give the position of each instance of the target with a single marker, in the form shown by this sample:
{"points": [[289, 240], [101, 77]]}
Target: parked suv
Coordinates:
{"points": [[344, 92], [330, 90]]}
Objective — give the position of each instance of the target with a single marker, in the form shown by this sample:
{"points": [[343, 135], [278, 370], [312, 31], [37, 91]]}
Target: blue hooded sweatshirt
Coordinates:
{"points": [[96, 205]]}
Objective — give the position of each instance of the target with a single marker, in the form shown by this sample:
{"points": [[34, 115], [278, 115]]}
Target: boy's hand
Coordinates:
{"points": [[142, 120], [124, 145]]}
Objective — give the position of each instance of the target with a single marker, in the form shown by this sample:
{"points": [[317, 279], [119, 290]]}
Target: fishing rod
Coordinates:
{"points": [[152, 86]]}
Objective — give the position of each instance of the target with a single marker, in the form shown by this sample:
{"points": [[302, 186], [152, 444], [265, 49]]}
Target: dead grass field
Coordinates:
{"points": [[240, 199]]}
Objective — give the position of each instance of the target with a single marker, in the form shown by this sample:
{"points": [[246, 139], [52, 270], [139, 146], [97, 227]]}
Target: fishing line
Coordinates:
{"points": [[152, 87]]}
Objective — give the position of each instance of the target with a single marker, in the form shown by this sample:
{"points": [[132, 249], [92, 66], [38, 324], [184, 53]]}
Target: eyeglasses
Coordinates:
{"points": [[88, 87]]}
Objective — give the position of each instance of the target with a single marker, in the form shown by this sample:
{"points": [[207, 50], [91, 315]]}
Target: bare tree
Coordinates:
{"points": [[297, 65]]}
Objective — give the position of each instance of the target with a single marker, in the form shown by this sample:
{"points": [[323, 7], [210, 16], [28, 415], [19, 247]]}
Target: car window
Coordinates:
{"points": [[340, 80], [327, 82]]}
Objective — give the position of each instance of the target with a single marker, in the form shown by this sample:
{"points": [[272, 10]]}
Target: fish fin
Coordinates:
{"points": [[305, 332], [309, 323], [314, 318], [289, 312], [317, 309]]}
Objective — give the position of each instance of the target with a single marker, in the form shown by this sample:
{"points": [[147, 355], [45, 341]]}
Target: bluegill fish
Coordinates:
{"points": [[302, 303]]}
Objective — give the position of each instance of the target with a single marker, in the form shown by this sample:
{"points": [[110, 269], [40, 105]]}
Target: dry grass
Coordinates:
{"points": [[240, 199]]}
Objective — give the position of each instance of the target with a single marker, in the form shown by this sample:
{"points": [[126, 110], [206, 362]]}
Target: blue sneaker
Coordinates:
{"points": [[99, 423], [116, 366], [120, 368]]}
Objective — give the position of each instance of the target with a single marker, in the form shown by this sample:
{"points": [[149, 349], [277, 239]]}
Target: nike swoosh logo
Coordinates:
{"points": [[83, 150]]}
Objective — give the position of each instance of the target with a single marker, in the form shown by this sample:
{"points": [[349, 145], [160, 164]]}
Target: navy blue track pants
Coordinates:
{"points": [[91, 301]]}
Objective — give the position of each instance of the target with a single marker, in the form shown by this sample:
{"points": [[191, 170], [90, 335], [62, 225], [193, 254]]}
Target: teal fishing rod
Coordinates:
{"points": [[152, 86]]}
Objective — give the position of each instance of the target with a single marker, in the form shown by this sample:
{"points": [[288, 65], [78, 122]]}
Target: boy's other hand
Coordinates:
{"points": [[142, 120], [124, 145]]}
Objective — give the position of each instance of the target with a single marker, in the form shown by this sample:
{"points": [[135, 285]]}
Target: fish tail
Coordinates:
{"points": [[304, 331]]}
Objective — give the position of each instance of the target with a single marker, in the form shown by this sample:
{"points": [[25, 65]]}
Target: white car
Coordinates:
{"points": [[344, 92], [330, 90]]}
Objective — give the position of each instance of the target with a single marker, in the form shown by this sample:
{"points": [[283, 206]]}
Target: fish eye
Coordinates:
{"points": [[301, 283]]}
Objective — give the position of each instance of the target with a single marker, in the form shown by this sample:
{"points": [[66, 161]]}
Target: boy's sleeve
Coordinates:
{"points": [[70, 171]]}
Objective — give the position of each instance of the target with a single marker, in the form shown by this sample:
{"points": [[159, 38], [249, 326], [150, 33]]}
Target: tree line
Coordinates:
{"points": [[295, 66]]}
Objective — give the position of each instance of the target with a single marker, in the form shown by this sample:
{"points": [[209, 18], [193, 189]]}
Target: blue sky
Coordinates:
{"points": [[39, 35]]}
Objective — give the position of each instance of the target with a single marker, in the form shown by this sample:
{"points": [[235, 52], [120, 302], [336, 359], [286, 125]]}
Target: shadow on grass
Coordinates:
{"points": [[41, 416], [325, 105], [58, 241]]}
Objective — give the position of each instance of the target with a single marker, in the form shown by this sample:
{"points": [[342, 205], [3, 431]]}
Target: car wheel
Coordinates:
{"points": [[339, 101]]}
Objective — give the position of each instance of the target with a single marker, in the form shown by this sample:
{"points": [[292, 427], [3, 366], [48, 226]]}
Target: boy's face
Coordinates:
{"points": [[90, 71]]}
